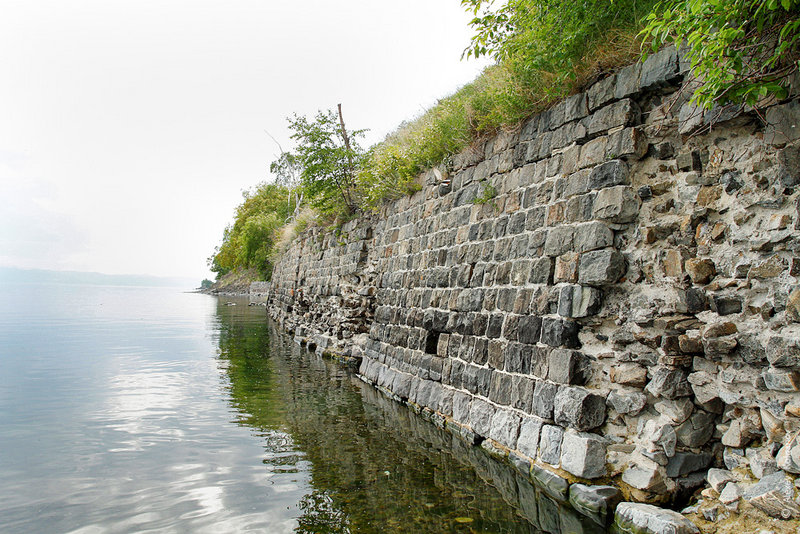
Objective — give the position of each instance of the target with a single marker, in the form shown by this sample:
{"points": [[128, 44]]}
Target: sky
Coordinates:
{"points": [[129, 129]]}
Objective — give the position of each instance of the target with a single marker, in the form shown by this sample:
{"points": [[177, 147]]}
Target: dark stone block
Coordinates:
{"points": [[577, 408], [661, 68], [689, 161], [560, 332], [608, 174], [529, 329], [518, 358], [522, 393], [500, 389], [544, 395], [495, 326], [684, 463], [726, 305], [569, 367]]}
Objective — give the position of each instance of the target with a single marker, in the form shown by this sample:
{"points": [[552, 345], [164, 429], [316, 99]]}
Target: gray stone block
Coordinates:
{"points": [[559, 240], [529, 329], [697, 430], [500, 389], [558, 332], [649, 519], [601, 267], [601, 92], [529, 432], [669, 383], [783, 123], [542, 270], [774, 495], [480, 417], [618, 204], [550, 444], [608, 174], [544, 395], [627, 403], [505, 428], [623, 113], [591, 236], [569, 367], [522, 393], [579, 301], [579, 409], [660, 69], [597, 502], [583, 454]]}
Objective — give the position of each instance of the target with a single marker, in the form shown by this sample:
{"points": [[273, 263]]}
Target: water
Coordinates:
{"points": [[126, 409]]}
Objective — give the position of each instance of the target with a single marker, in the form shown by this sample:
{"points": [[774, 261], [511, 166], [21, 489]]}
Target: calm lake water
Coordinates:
{"points": [[129, 409]]}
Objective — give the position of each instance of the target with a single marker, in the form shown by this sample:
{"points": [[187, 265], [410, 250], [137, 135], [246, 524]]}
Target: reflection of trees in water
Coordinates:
{"points": [[375, 466]]}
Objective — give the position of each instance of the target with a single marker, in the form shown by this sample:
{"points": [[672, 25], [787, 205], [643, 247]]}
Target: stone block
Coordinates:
{"points": [[774, 495], [566, 268], [597, 502], [550, 444], [505, 428], [659, 69], [726, 305], [544, 395], [783, 123], [576, 107], [579, 301], [669, 383], [697, 430], [608, 174], [530, 328], [627, 143], [591, 236], [552, 484], [700, 270], [542, 270], [500, 389], [683, 463], [602, 92], [627, 403], [480, 417], [627, 82], [788, 457], [649, 519], [593, 152], [569, 367], [781, 380], [583, 454], [629, 374], [601, 267], [618, 204], [579, 409], [528, 441], [646, 478], [558, 332], [522, 393], [559, 240], [623, 113]]}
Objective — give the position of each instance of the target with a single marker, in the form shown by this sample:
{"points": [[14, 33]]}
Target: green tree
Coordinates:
{"points": [[328, 155], [740, 50]]}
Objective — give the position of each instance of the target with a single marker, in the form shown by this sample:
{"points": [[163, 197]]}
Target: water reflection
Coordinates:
{"points": [[375, 465]]}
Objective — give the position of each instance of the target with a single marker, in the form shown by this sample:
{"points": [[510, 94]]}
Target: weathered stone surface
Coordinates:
{"points": [[697, 430], [550, 444], [641, 518], [568, 367], [629, 374], [618, 204], [630, 403], [774, 495], [480, 417], [598, 502], [601, 267], [645, 477], [504, 428], [783, 123], [529, 432], [717, 478], [583, 454], [579, 301], [659, 69], [701, 270], [551, 483], [781, 380], [558, 332], [591, 236], [669, 383], [544, 399], [579, 409], [683, 463], [788, 457]]}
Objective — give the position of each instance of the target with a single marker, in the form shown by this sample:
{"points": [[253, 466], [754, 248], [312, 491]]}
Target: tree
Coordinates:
{"points": [[328, 155], [740, 50]]}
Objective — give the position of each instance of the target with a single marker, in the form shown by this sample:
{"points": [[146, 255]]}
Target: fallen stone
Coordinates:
{"points": [[697, 430], [774, 495], [788, 457], [761, 462], [552, 484], [627, 403], [645, 478], [641, 518], [731, 493], [717, 478], [740, 433], [583, 455], [597, 502]]}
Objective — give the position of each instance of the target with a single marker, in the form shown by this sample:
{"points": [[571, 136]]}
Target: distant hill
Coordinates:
{"points": [[13, 275]]}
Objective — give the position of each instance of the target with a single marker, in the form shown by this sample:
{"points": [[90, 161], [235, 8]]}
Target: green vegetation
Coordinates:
{"points": [[206, 283], [488, 192], [248, 243], [544, 50], [742, 50]]}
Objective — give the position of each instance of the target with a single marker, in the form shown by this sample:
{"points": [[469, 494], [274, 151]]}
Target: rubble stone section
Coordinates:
{"points": [[624, 309]]}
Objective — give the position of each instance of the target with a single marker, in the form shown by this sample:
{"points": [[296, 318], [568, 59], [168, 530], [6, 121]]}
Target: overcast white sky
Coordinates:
{"points": [[128, 129]]}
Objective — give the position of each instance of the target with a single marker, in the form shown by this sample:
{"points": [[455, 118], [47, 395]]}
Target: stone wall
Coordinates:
{"points": [[608, 294]]}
